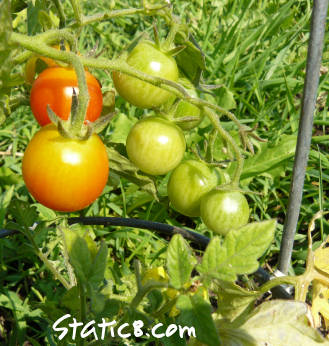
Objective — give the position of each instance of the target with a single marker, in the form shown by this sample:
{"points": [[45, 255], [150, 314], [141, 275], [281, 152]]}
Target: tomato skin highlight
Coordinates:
{"points": [[188, 182], [223, 211], [54, 87], [64, 174], [146, 58], [155, 145]]}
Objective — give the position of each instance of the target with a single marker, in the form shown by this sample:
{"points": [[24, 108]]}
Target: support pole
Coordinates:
{"points": [[314, 56]]}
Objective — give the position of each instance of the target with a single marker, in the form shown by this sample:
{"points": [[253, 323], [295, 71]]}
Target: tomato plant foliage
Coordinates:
{"points": [[146, 199]]}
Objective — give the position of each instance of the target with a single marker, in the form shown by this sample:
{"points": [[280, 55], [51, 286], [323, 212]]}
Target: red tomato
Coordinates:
{"points": [[54, 87], [65, 174]]}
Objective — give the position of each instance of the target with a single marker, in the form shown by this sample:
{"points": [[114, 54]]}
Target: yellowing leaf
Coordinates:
{"points": [[321, 257], [320, 303]]}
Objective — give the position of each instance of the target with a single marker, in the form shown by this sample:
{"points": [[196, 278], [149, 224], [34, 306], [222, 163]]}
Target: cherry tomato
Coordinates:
{"points": [[186, 109], [223, 211], [33, 65], [155, 145], [54, 87], [188, 182], [147, 58], [64, 174]]}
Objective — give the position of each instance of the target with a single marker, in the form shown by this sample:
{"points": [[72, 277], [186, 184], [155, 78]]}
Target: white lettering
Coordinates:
{"points": [[63, 329]]}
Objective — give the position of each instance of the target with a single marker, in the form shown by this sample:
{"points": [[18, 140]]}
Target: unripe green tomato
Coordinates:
{"points": [[147, 58], [155, 145], [186, 109], [188, 182], [223, 211]]}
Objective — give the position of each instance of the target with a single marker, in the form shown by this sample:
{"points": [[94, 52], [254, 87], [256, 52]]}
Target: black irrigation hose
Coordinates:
{"points": [[164, 229]]}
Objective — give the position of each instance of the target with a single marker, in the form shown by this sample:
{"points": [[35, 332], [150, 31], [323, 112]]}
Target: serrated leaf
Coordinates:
{"points": [[24, 213], [239, 252], [267, 157], [282, 323], [45, 213], [196, 312], [79, 255], [124, 168], [180, 261], [33, 9], [234, 300], [121, 125], [99, 265], [225, 98]]}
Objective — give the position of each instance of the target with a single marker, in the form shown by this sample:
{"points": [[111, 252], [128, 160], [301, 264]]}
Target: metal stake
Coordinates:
{"points": [[314, 56]]}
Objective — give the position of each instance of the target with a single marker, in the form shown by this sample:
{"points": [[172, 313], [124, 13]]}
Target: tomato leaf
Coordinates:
{"points": [[79, 254], [196, 312], [121, 126], [25, 215], [268, 157], [190, 60], [33, 9], [121, 166], [225, 98], [281, 323], [99, 265], [239, 251], [71, 299], [180, 261], [234, 300]]}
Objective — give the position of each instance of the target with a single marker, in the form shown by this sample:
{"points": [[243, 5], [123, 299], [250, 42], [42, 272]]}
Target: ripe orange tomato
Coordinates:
{"points": [[65, 174], [32, 65], [54, 87]]}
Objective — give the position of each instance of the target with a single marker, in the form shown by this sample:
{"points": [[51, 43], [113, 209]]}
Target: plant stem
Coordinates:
{"points": [[225, 135], [76, 5], [290, 280], [46, 262], [37, 45], [61, 14]]}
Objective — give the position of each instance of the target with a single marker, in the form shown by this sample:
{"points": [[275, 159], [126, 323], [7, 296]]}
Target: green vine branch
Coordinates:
{"points": [[38, 45]]}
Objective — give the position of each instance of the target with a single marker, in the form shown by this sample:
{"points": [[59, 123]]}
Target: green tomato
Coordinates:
{"points": [[155, 145], [147, 58], [186, 109], [188, 182], [223, 211]]}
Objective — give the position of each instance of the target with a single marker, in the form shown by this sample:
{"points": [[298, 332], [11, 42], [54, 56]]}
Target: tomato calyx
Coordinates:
{"points": [[70, 128]]}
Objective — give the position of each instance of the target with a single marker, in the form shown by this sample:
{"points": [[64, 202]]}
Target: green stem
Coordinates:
{"points": [[83, 97], [40, 47], [76, 5], [225, 135], [288, 280], [171, 36], [61, 14], [46, 262], [142, 292], [34, 44]]}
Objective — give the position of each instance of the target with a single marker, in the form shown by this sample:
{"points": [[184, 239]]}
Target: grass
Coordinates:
{"points": [[257, 49]]}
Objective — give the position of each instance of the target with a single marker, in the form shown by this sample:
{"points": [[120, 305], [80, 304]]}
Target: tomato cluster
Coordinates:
{"points": [[156, 145], [68, 174], [64, 174]]}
